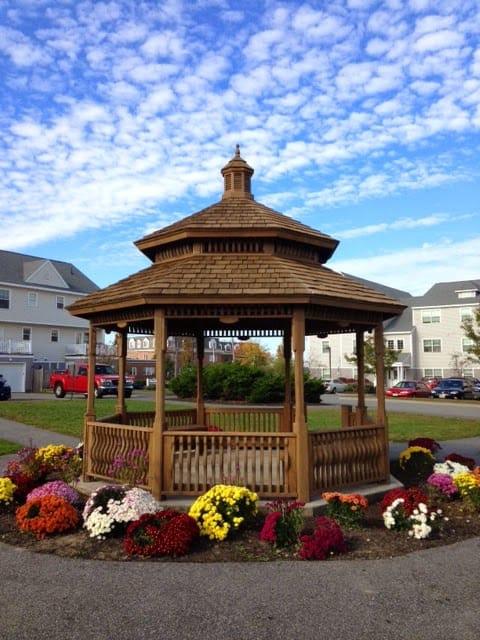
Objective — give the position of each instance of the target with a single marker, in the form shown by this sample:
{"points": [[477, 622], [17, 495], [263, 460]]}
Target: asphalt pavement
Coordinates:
{"points": [[427, 595]]}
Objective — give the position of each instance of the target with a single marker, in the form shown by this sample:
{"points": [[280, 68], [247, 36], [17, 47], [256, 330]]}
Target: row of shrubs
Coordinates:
{"points": [[231, 381], [46, 507]]}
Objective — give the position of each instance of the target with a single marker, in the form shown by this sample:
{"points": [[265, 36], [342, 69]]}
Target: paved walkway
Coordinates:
{"points": [[425, 595]]}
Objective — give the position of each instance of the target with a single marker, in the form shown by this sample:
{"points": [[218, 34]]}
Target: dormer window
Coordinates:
{"points": [[467, 293]]}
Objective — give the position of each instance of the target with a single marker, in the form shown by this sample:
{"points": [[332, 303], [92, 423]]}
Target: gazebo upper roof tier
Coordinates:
{"points": [[238, 254]]}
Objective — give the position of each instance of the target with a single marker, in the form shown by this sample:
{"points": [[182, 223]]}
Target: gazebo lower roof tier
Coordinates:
{"points": [[238, 280]]}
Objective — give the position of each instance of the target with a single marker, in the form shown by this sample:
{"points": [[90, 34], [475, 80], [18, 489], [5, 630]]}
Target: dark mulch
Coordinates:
{"points": [[371, 542]]}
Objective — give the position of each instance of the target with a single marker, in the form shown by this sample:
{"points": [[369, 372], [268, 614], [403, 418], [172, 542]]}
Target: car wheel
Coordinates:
{"points": [[98, 393], [128, 394], [334, 390], [59, 391]]}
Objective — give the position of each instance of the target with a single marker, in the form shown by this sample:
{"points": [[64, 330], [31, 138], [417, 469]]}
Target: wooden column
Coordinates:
{"points": [[381, 410], [299, 425], [287, 354], [200, 402], [120, 407], [361, 412], [155, 454], [90, 410]]}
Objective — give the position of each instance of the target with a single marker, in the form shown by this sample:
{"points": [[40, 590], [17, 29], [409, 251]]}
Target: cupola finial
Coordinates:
{"points": [[236, 177]]}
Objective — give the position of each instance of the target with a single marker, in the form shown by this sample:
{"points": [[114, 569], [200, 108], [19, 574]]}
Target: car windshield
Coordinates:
{"points": [[445, 384], [104, 369], [405, 384]]}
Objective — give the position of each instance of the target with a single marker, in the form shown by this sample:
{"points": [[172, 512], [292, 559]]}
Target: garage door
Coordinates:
{"points": [[14, 374]]}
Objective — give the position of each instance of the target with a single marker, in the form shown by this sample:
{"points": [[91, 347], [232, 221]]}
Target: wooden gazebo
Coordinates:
{"points": [[239, 268]]}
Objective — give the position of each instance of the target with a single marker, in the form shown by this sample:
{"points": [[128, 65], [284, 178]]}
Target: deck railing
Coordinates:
{"points": [[265, 461]]}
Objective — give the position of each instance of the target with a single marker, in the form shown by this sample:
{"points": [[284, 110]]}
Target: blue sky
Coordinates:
{"points": [[360, 118]]}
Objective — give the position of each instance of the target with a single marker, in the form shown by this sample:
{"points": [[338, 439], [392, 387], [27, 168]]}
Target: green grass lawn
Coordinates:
{"points": [[66, 416], [7, 447]]}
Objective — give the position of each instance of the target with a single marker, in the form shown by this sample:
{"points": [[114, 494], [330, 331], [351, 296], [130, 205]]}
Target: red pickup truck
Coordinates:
{"points": [[74, 380]]}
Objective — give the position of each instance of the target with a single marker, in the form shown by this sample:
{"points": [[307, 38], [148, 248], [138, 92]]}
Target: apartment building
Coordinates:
{"points": [[37, 334], [428, 336]]}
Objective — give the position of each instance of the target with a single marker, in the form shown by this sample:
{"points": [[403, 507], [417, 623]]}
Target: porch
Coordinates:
{"points": [[254, 447]]}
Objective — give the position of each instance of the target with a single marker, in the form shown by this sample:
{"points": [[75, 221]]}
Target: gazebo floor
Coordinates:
{"points": [[373, 491]]}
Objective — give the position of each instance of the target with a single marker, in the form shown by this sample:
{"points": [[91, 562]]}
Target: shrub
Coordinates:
{"points": [[347, 509], [163, 533], [270, 387], [23, 483], [326, 540], [223, 509], [47, 515], [185, 384], [469, 489], [283, 524]]}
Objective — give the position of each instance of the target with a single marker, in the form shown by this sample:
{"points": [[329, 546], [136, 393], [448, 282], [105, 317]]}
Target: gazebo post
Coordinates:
{"points": [[155, 457], [200, 356], [381, 410], [90, 411], [299, 425], [287, 354], [361, 412], [122, 356]]}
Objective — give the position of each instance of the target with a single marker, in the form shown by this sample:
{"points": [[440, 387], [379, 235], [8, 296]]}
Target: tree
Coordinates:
{"points": [[471, 326], [252, 354], [390, 356]]}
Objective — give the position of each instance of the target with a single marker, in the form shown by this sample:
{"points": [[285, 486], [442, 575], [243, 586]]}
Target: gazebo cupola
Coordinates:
{"points": [[237, 176]]}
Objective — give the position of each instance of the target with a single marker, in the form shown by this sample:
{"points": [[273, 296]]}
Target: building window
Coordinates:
{"points": [[467, 293], [431, 373], [467, 345], [146, 343], [400, 345], [325, 347], [4, 299], [26, 334], [60, 302], [54, 335], [131, 343], [32, 299], [431, 316], [390, 344], [432, 346], [466, 313]]}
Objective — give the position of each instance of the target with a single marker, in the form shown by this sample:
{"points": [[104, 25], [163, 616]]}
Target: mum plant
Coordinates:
{"points": [[283, 523], [130, 468], [165, 533], [416, 459], [423, 522], [465, 460], [47, 515], [426, 443], [7, 492], [223, 509], [110, 508], [468, 487], [55, 488], [442, 485], [326, 540], [347, 509]]}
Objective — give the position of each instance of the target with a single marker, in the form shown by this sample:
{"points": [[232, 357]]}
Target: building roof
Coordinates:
{"points": [[447, 294], [22, 269]]}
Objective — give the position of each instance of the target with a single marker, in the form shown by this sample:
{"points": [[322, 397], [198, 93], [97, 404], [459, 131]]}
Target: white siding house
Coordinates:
{"points": [[428, 335], [36, 331]]}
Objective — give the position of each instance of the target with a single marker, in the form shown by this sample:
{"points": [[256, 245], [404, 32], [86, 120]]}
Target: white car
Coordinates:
{"points": [[335, 385]]}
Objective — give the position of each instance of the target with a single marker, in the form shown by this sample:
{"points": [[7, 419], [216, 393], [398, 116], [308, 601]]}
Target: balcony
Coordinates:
{"points": [[9, 346]]}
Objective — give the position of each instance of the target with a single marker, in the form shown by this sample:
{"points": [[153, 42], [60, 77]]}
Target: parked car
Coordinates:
{"points": [[453, 388], [408, 389], [431, 381], [5, 390], [476, 391], [335, 385]]}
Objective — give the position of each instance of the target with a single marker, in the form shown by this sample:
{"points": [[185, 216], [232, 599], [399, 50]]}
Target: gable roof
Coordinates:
{"points": [[20, 269]]}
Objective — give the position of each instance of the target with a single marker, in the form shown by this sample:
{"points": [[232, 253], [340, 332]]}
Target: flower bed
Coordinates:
{"points": [[440, 505]]}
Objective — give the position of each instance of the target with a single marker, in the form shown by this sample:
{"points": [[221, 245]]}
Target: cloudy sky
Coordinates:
{"points": [[361, 119]]}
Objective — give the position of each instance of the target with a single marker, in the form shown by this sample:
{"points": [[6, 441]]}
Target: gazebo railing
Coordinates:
{"points": [[265, 461], [347, 457]]}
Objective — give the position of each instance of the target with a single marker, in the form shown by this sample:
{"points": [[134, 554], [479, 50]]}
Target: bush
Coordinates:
{"points": [[269, 388], [185, 384], [46, 515], [326, 540]]}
